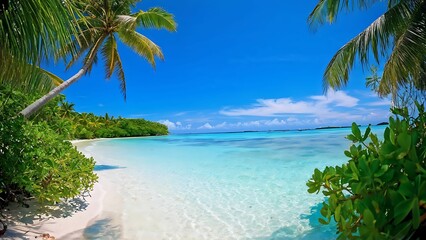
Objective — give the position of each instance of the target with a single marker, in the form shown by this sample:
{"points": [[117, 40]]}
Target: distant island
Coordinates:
{"points": [[331, 127]]}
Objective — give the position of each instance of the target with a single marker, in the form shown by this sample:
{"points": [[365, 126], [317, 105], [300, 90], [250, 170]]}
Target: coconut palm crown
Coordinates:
{"points": [[398, 36], [103, 24]]}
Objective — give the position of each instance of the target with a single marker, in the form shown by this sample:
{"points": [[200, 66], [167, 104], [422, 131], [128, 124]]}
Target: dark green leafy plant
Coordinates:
{"points": [[35, 160], [380, 193]]}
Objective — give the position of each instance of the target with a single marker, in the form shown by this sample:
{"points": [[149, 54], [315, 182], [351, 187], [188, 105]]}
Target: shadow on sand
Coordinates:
{"points": [[106, 167], [24, 222]]}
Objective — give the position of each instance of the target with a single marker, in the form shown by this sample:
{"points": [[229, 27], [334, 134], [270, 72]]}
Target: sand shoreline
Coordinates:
{"points": [[68, 221]]}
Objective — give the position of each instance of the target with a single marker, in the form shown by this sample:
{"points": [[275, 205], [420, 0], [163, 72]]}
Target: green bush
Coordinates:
{"points": [[35, 160], [380, 193]]}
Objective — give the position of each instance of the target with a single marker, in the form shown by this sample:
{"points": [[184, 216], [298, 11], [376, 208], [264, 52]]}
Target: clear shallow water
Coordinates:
{"points": [[219, 186]]}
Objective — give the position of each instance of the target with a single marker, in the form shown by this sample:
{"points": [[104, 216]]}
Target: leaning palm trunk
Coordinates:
{"points": [[31, 109]]}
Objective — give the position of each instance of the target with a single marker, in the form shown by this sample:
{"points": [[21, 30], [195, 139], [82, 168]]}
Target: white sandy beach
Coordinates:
{"points": [[68, 220]]}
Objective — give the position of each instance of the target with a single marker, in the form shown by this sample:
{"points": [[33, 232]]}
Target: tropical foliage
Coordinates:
{"points": [[398, 36], [102, 24], [72, 125], [69, 124], [35, 160], [32, 32], [380, 193]]}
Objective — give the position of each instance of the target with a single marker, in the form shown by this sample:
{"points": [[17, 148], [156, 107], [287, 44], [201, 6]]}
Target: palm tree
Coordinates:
{"points": [[103, 22], [399, 36], [66, 108], [32, 31]]}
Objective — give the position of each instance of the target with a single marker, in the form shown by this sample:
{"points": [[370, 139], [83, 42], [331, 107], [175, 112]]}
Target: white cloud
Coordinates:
{"points": [[317, 106], [340, 98], [169, 124], [270, 107], [175, 125], [247, 124], [275, 122], [221, 125], [206, 126]]}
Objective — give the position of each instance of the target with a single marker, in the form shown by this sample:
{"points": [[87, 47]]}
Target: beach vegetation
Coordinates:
{"points": [[36, 162], [380, 193], [36, 159]]}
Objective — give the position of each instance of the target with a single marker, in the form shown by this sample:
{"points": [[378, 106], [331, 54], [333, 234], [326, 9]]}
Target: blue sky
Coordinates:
{"points": [[236, 65]]}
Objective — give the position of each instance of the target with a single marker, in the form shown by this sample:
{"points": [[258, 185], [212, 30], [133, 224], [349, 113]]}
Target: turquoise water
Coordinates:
{"points": [[219, 186]]}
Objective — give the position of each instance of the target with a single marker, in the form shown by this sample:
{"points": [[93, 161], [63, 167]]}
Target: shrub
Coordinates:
{"points": [[35, 160], [380, 193]]}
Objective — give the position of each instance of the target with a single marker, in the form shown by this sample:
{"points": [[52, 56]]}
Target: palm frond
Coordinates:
{"points": [[120, 74], [113, 62], [141, 45], [408, 56], [327, 10], [108, 54], [56, 80], [86, 38], [375, 40], [31, 30], [153, 18], [23, 76], [91, 57]]}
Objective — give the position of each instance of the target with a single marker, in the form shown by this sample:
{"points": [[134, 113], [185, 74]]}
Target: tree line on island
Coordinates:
{"points": [[61, 117]]}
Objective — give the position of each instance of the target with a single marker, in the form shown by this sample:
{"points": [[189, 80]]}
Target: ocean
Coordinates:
{"points": [[215, 186]]}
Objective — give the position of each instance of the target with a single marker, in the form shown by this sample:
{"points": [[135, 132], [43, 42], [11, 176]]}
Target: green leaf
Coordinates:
{"points": [[352, 138], [317, 175], [337, 213], [402, 229], [353, 167], [367, 132], [402, 209], [416, 213], [348, 154], [392, 136], [312, 190], [382, 171], [322, 221], [368, 218], [404, 140], [406, 189], [356, 132], [354, 151], [374, 139]]}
